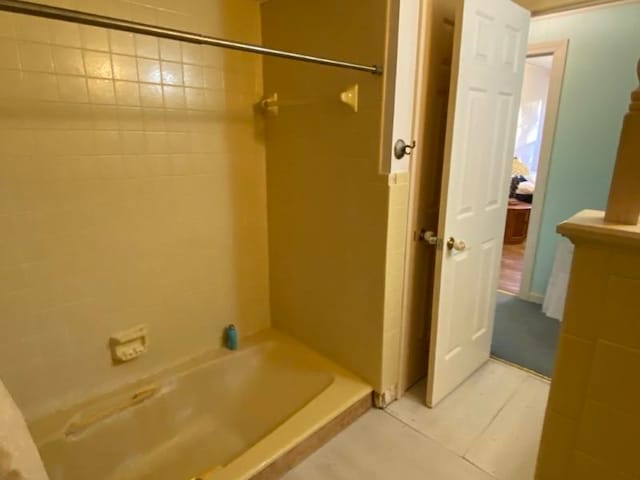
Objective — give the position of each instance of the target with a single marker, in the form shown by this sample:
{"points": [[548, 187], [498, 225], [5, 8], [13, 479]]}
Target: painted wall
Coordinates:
{"points": [[600, 74], [327, 201], [132, 190]]}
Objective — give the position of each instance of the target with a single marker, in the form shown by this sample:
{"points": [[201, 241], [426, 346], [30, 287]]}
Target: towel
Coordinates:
{"points": [[19, 457], [558, 285]]}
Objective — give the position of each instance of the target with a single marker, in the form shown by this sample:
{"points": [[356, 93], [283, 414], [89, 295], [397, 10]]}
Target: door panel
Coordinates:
{"points": [[488, 65]]}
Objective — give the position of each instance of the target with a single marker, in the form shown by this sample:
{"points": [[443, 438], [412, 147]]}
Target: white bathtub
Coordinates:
{"points": [[223, 416]]}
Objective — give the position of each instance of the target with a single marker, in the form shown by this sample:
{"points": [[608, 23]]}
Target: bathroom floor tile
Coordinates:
{"points": [[378, 446], [489, 428], [461, 417], [508, 448]]}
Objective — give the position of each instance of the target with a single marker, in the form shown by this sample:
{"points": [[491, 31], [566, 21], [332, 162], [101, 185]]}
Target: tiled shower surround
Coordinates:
{"points": [[132, 191]]}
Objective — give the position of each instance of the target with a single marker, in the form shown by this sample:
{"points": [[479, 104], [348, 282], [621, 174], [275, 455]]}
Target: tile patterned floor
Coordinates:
{"points": [[488, 429]]}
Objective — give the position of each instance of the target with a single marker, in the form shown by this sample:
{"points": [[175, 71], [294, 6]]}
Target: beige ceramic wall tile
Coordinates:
{"points": [[610, 436], [126, 198], [584, 467], [591, 427], [462, 417], [626, 329], [391, 359], [508, 448], [554, 459], [580, 318], [394, 277], [379, 447], [610, 383], [572, 381]]}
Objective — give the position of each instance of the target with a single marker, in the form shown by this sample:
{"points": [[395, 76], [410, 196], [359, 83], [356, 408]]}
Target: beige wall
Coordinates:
{"points": [[132, 190], [327, 201]]}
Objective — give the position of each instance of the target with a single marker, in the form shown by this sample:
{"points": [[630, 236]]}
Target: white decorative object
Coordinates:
{"points": [[556, 295], [128, 344], [19, 457]]}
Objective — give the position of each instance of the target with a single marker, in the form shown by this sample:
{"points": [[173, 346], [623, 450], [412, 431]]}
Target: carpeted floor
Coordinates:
{"points": [[524, 335]]}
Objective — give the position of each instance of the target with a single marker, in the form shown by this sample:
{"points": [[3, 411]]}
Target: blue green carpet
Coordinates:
{"points": [[524, 335]]}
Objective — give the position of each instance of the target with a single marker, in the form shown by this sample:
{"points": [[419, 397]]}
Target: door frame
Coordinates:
{"points": [[558, 50], [419, 120]]}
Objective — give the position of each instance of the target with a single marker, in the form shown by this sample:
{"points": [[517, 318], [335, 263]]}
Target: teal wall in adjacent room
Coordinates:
{"points": [[604, 47]]}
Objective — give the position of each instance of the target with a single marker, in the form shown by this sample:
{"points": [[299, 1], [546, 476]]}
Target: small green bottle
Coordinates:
{"points": [[231, 337]]}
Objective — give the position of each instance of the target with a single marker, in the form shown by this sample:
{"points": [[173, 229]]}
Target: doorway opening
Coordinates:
{"points": [[523, 335], [531, 119]]}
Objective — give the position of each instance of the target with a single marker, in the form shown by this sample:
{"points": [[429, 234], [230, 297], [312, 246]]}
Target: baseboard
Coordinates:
{"points": [[531, 297], [535, 298], [313, 442]]}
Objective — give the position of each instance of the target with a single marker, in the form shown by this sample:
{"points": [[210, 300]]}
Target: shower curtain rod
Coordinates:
{"points": [[75, 16]]}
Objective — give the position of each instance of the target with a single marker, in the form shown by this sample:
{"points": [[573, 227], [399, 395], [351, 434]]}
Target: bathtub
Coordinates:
{"points": [[223, 416]]}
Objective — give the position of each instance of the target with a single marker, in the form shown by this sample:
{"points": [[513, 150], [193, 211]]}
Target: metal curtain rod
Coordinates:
{"points": [[75, 16]]}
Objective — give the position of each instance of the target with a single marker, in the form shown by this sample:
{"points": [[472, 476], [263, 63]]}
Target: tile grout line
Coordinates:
{"points": [[488, 425], [479, 467], [524, 380], [525, 375], [500, 410], [425, 435]]}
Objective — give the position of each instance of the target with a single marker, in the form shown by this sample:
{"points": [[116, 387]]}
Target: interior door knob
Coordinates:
{"points": [[427, 237], [458, 245]]}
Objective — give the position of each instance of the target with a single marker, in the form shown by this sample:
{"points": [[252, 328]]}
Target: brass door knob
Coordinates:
{"points": [[453, 244]]}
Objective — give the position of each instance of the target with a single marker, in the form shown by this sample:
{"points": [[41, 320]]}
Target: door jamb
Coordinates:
{"points": [[558, 49], [418, 124]]}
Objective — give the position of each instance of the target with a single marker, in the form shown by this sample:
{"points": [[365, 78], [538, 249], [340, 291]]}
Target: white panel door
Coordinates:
{"points": [[488, 64]]}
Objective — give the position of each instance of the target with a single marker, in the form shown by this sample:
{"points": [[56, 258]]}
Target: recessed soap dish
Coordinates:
{"points": [[128, 344]]}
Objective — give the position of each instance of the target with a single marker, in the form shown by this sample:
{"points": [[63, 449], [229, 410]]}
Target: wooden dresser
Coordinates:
{"points": [[517, 226]]}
